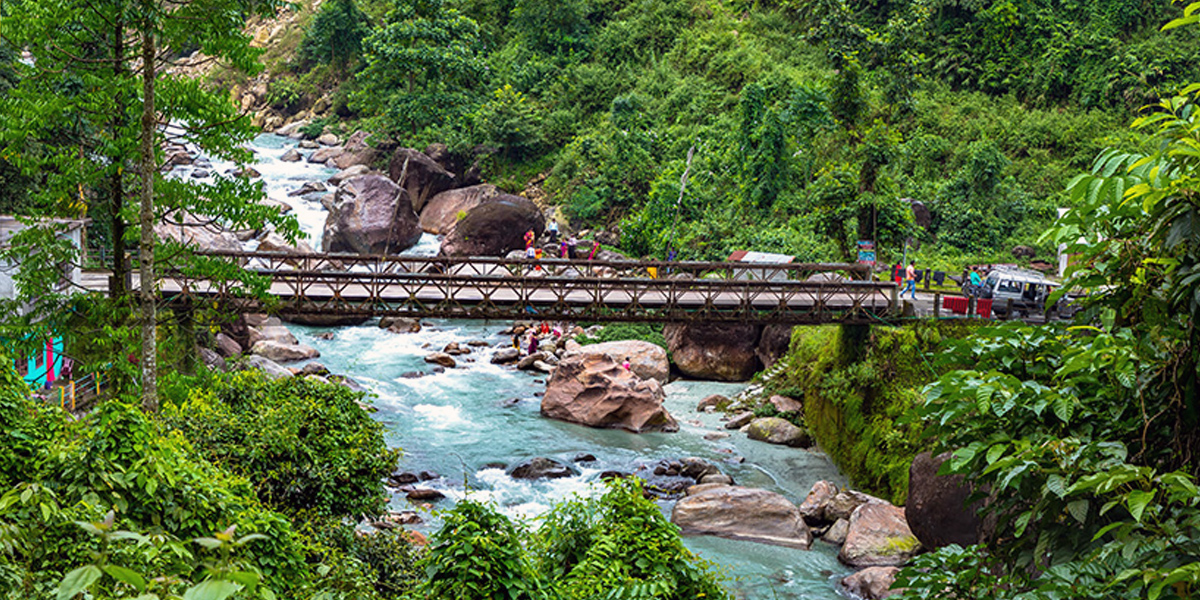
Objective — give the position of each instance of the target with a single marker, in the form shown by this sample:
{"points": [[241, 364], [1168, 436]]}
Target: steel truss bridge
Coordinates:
{"points": [[350, 286]]}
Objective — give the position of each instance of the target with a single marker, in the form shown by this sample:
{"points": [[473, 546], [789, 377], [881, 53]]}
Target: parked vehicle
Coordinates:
{"points": [[1025, 291]]}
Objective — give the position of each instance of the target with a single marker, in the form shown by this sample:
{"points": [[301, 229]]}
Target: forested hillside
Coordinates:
{"points": [[808, 122]]}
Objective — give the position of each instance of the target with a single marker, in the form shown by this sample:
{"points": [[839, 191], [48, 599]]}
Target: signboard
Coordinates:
{"points": [[866, 252]]}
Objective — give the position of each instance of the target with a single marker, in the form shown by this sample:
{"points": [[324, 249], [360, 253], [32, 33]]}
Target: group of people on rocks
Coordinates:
{"points": [[533, 334], [567, 246]]}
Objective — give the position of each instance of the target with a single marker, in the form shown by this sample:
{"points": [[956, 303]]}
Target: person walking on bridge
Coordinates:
{"points": [[910, 280]]}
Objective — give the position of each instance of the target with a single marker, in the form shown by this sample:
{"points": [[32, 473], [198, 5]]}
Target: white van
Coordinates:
{"points": [[1028, 291]]}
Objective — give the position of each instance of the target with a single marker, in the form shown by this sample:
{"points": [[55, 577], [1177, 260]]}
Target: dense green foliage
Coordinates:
{"points": [[857, 386], [1085, 438], [801, 124], [618, 545], [307, 446]]}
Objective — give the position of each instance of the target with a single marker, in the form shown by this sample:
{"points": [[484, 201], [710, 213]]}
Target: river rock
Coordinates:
{"points": [[494, 228], [739, 420], [594, 390], [213, 361], [400, 324], [872, 583], [697, 468], [700, 488], [526, 364], [813, 507], [718, 351], [718, 478], [646, 360], [227, 347], [425, 495], [324, 155], [284, 353], [937, 510], [328, 139], [505, 356], [775, 430], [441, 358], [279, 205], [314, 368], [715, 401], [309, 144], [270, 368], [541, 468], [424, 178], [743, 513], [878, 536], [348, 173], [273, 242], [292, 155], [309, 187], [370, 215], [844, 503], [273, 333], [357, 152], [785, 404], [774, 344], [836, 534], [443, 211], [198, 233]]}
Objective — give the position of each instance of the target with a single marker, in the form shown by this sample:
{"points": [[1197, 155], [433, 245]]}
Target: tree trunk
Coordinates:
{"points": [[120, 269], [146, 220]]}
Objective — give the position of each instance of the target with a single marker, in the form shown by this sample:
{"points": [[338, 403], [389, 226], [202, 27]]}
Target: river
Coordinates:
{"points": [[462, 422]]}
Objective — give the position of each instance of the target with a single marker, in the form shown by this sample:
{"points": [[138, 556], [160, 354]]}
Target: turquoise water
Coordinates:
{"points": [[462, 422]]}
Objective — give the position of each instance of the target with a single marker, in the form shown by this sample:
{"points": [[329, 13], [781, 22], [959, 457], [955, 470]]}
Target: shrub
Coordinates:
{"points": [[306, 445]]}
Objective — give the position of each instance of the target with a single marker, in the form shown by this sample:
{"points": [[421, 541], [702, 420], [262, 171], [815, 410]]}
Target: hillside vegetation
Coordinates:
{"points": [[807, 122]]}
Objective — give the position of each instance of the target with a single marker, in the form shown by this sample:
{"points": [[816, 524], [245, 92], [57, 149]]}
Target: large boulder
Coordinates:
{"points": [[775, 430], [424, 178], [646, 360], [270, 368], [720, 351], [370, 215], [442, 212], [937, 510], [774, 343], [283, 353], [494, 227], [872, 583], [595, 390], [878, 537], [199, 233], [357, 152], [744, 514]]}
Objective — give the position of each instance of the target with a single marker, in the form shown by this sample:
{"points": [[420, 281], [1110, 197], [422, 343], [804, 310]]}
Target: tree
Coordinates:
{"points": [[112, 56], [335, 35], [420, 66]]}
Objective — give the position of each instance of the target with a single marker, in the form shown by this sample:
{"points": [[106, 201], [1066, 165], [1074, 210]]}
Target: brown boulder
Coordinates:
{"points": [[646, 360], [937, 510], [494, 228], [227, 347], [357, 152], [785, 404], [594, 390], [872, 583], [743, 514], [775, 430], [282, 353], [443, 211], [324, 155], [774, 343], [813, 507], [878, 536], [719, 351], [370, 215], [844, 503], [424, 178]]}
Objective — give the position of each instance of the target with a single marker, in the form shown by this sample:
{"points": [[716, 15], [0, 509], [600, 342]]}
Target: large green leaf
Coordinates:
{"points": [[213, 589], [77, 581]]}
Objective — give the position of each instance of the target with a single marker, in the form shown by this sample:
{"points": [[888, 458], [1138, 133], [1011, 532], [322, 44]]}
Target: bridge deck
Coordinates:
{"points": [[489, 288]]}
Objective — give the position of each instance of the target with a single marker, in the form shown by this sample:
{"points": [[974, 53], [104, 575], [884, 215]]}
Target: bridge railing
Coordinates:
{"points": [[493, 288], [276, 262]]}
